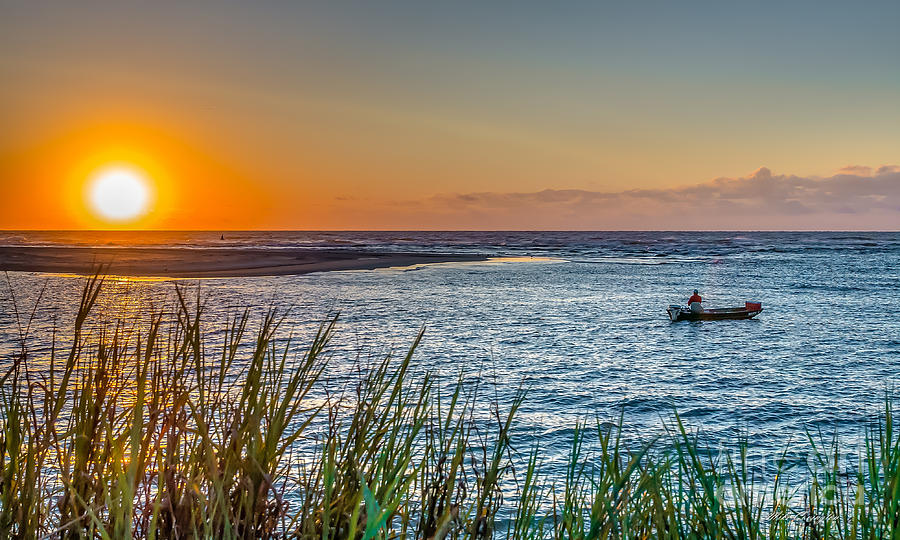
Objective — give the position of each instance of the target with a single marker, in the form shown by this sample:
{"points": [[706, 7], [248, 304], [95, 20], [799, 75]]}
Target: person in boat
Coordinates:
{"points": [[695, 301]]}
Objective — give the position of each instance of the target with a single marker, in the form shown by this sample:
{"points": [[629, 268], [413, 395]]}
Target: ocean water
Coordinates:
{"points": [[577, 318]]}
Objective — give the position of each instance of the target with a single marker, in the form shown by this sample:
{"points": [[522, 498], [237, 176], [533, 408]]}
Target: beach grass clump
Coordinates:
{"points": [[138, 430], [145, 430]]}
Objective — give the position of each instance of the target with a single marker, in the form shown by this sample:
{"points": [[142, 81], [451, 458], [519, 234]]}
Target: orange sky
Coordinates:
{"points": [[402, 117]]}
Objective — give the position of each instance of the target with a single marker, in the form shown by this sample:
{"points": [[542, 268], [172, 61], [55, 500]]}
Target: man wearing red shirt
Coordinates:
{"points": [[695, 298]]}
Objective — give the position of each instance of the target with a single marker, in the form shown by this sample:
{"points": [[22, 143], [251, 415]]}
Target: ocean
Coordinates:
{"points": [[576, 318]]}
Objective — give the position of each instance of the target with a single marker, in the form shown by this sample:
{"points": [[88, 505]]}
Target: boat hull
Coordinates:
{"points": [[677, 313]]}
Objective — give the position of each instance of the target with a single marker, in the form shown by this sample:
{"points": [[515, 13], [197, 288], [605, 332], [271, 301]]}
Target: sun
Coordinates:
{"points": [[119, 194]]}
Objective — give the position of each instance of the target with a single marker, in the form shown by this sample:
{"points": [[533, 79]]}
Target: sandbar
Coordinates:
{"points": [[208, 262]]}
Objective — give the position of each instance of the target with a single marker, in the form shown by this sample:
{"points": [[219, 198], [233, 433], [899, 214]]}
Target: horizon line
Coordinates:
{"points": [[222, 231]]}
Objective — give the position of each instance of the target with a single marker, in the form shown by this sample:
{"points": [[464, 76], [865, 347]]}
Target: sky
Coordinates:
{"points": [[457, 115]]}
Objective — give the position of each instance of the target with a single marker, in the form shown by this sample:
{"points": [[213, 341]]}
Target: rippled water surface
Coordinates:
{"points": [[582, 325]]}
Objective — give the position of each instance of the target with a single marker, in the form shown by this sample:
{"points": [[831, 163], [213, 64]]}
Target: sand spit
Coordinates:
{"points": [[208, 263]]}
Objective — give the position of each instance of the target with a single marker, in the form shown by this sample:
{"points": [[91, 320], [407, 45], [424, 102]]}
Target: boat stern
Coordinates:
{"points": [[674, 312]]}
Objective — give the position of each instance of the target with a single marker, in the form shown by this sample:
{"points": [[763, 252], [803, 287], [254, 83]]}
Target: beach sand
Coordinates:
{"points": [[207, 263]]}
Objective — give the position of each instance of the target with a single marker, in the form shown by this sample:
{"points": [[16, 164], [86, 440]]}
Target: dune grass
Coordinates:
{"points": [[143, 431]]}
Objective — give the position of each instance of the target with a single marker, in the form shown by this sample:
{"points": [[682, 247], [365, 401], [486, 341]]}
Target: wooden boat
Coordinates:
{"points": [[681, 313]]}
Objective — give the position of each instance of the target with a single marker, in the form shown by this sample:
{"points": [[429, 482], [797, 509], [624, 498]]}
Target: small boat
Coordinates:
{"points": [[681, 313]]}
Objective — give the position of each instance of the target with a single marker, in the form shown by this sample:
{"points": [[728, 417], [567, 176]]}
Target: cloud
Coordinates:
{"points": [[860, 170], [855, 197]]}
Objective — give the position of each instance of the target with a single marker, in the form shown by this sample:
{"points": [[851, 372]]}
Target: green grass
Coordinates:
{"points": [[142, 431]]}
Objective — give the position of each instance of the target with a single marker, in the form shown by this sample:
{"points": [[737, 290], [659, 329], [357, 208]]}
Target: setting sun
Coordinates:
{"points": [[119, 194]]}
